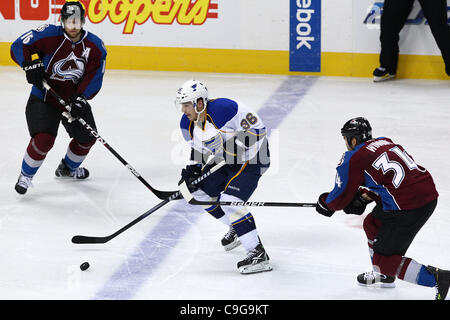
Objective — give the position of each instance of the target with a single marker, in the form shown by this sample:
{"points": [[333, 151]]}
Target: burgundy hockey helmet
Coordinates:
{"points": [[358, 128]]}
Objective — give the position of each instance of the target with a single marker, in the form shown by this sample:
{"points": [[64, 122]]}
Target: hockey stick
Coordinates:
{"points": [[88, 239], [190, 199], [160, 194]]}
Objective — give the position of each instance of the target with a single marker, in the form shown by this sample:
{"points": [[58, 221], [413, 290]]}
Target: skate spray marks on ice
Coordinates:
{"points": [[150, 253]]}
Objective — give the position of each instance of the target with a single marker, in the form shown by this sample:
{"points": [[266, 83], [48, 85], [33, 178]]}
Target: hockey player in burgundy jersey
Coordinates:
{"points": [[227, 130], [72, 61], [377, 169]]}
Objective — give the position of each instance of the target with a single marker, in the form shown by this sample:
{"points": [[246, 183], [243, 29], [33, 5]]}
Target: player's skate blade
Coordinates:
{"points": [[375, 280], [260, 267], [257, 261], [230, 240]]}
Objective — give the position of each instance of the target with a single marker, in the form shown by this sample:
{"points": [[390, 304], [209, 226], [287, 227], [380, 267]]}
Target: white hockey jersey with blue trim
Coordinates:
{"points": [[224, 119]]}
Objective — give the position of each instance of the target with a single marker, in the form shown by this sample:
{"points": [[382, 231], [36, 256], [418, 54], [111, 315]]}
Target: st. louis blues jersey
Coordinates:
{"points": [[386, 169], [71, 68], [225, 118]]}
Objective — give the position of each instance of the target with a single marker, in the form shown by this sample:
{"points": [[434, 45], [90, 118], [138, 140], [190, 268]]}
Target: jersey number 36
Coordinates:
{"points": [[248, 121]]}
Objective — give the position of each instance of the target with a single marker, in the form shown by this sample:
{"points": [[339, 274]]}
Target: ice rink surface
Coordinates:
{"points": [[175, 253]]}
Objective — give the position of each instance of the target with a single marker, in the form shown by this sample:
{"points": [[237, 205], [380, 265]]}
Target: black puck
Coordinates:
{"points": [[84, 266]]}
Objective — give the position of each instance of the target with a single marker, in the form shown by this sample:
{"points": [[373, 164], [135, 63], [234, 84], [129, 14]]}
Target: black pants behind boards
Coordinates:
{"points": [[396, 12]]}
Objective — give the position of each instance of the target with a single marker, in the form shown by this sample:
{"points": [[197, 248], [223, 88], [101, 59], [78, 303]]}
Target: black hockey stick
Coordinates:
{"points": [[190, 199], [160, 194], [88, 239]]}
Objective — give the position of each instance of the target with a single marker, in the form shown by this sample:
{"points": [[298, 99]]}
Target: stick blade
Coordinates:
{"points": [[164, 195], [87, 239]]}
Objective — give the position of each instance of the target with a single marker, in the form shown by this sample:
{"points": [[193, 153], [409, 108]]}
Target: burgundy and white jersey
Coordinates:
{"points": [[386, 169], [72, 68]]}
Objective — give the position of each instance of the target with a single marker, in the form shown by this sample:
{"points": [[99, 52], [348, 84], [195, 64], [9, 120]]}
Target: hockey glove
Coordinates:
{"points": [[321, 206], [357, 205], [78, 105], [35, 73], [189, 174]]}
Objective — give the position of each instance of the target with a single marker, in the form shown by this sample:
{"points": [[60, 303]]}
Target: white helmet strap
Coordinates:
{"points": [[196, 109]]}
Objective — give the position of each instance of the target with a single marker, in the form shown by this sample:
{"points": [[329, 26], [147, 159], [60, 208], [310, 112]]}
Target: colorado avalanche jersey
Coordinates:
{"points": [[71, 68], [224, 119], [386, 169]]}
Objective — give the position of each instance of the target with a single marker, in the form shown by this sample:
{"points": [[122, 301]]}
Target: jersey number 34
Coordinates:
{"points": [[385, 164]]}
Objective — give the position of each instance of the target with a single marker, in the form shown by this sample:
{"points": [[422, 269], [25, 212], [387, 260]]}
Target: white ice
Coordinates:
{"points": [[314, 257]]}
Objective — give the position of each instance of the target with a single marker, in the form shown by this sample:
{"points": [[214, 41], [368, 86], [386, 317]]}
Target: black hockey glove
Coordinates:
{"points": [[321, 206], [357, 205], [35, 72], [189, 174], [78, 105]]}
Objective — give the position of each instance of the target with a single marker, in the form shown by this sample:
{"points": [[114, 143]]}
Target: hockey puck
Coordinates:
{"points": [[84, 266]]}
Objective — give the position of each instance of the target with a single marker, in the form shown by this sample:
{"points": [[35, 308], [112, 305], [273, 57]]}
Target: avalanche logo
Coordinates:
{"points": [[70, 68]]}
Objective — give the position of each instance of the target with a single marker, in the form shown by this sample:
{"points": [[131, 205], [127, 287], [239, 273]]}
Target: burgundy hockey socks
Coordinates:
{"points": [[37, 150]]}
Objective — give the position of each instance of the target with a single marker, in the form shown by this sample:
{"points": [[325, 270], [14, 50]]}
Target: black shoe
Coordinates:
{"points": [[257, 261], [442, 282], [63, 171], [230, 240], [381, 74], [375, 279], [23, 183]]}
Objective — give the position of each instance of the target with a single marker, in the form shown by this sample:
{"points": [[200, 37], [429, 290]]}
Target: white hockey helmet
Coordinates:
{"points": [[191, 91]]}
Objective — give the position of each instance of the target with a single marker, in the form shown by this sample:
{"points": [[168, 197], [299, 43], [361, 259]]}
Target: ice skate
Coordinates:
{"points": [[23, 183], [375, 279], [442, 282], [381, 74], [257, 261], [230, 240], [63, 171]]}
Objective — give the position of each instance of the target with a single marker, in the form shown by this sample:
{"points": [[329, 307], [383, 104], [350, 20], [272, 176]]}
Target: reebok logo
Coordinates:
{"points": [[303, 28], [305, 35]]}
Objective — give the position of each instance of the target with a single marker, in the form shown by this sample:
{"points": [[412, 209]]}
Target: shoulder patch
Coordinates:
{"points": [[342, 159], [42, 27]]}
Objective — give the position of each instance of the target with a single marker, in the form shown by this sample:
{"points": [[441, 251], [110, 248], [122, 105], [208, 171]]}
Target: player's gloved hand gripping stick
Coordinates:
{"points": [[169, 195], [186, 189]]}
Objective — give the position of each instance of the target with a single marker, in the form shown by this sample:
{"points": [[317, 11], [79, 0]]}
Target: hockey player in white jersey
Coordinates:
{"points": [[228, 130]]}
